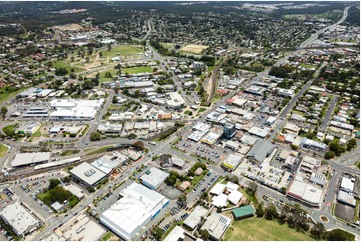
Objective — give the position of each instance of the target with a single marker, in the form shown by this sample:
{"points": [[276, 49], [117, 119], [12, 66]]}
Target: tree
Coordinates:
{"points": [[339, 235], [61, 71], [132, 136], [95, 136], [234, 179], [259, 210], [100, 54], [252, 188], [139, 145], [157, 233], [3, 112], [270, 212], [53, 183], [67, 179], [329, 155], [350, 144], [204, 234], [318, 231]]}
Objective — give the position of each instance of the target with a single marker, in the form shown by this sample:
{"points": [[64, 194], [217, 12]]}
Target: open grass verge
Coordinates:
{"points": [[99, 150], [3, 150], [261, 229], [69, 152]]}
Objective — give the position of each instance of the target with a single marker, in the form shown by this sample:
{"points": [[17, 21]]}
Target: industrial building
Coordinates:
{"points": [[305, 193], [79, 228], [26, 159], [260, 151], [137, 206], [216, 225], [153, 178], [177, 234], [87, 174], [21, 220]]}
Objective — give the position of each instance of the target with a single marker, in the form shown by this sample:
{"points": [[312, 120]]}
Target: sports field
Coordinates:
{"points": [[167, 45], [262, 229], [196, 49]]}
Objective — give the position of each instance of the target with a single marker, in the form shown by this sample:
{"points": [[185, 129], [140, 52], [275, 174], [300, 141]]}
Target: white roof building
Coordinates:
{"points": [[78, 228], [175, 100], [220, 201], [153, 178], [232, 161], [76, 191], [218, 189], [305, 192], [216, 225], [195, 217], [23, 159], [88, 174], [70, 109], [108, 163], [347, 184], [177, 234], [235, 196], [137, 206], [21, 221]]}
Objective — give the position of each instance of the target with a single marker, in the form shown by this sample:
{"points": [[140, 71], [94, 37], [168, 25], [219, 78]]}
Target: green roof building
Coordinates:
{"points": [[243, 212]]}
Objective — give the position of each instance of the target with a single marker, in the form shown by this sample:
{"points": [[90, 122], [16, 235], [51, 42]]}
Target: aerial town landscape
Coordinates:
{"points": [[192, 121]]}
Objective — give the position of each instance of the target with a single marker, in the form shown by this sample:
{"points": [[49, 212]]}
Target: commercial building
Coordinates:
{"points": [[229, 131], [79, 228], [137, 206], [25, 159], [291, 128], [305, 193], [28, 129], [216, 225], [153, 178], [286, 92], [260, 132], [109, 162], [243, 212], [318, 178], [195, 217], [76, 191], [260, 151], [346, 198], [232, 145], [175, 101], [308, 143], [109, 128], [70, 109], [347, 184], [21, 220], [232, 161], [87, 174]]}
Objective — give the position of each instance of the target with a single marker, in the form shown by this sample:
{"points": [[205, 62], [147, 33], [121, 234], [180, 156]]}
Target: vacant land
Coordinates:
{"points": [[262, 229], [123, 50], [3, 150], [167, 45], [136, 70], [99, 150], [196, 49], [68, 66], [69, 152], [69, 27], [6, 93]]}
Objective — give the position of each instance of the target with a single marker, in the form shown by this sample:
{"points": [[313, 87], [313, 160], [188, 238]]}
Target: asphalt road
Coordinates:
{"points": [[329, 112]]}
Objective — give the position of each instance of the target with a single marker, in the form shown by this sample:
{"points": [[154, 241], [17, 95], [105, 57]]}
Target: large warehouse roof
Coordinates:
{"points": [[134, 210], [30, 158]]}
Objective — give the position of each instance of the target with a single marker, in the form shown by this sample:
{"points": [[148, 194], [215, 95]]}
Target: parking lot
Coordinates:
{"points": [[202, 186]]}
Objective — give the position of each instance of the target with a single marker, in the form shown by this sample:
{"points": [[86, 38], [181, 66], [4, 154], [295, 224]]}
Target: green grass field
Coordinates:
{"points": [[262, 229], [37, 133], [3, 150], [123, 50], [167, 45], [68, 65], [135, 70]]}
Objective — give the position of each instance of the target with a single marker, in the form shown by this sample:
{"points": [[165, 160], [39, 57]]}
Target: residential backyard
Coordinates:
{"points": [[262, 229]]}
